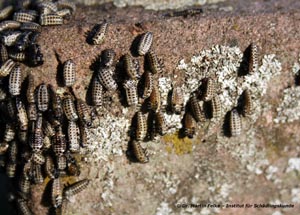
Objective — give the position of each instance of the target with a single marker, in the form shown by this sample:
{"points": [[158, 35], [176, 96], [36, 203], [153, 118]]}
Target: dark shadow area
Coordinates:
{"points": [[151, 127], [208, 110], [134, 45], [241, 104], [60, 70], [244, 65], [297, 78], [46, 197], [129, 153], [89, 92], [226, 125], [6, 207]]}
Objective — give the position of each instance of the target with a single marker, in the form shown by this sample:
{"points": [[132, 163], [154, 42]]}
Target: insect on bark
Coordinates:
{"points": [[130, 87], [145, 43], [56, 103], [60, 144], [69, 73], [99, 33], [15, 81], [42, 97], [21, 115], [139, 152], [235, 123], [69, 108], [37, 136], [75, 188], [131, 67], [105, 75]]}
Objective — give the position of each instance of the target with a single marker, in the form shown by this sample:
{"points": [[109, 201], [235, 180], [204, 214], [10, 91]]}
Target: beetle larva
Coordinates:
{"points": [[9, 24], [69, 73], [73, 136], [76, 188], [72, 168], [84, 112], [209, 89], [147, 85], [24, 185], [56, 193], [64, 13], [107, 57], [235, 123], [30, 26], [141, 130], [30, 89], [38, 158], [42, 97], [216, 106], [21, 115], [155, 64], [23, 17], [32, 111], [6, 12], [189, 125], [3, 54], [10, 38], [17, 56], [99, 34], [97, 92], [62, 4], [6, 68], [36, 142], [145, 43], [37, 175], [247, 103], [154, 99], [253, 61], [130, 87], [131, 67], [11, 169], [60, 144], [105, 76], [15, 81], [139, 152], [161, 124], [51, 6], [23, 41], [48, 129], [23, 207], [61, 162], [50, 19], [84, 135], [197, 109], [9, 133], [56, 103], [13, 152], [49, 167], [11, 109], [69, 108], [177, 100], [46, 142]]}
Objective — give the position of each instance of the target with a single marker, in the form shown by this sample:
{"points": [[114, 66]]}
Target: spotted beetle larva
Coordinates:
{"points": [[145, 43], [235, 123], [76, 188], [73, 136], [154, 99], [209, 89], [23, 17], [69, 73], [99, 34], [130, 87], [42, 97], [147, 85], [161, 123], [60, 144], [141, 130], [216, 106], [154, 62], [9, 24], [15, 81], [6, 68], [51, 19], [31, 26], [107, 57], [37, 174], [23, 207], [131, 67], [30, 89], [9, 133], [106, 78], [177, 100], [21, 115], [247, 103], [139, 152], [83, 112], [253, 61], [56, 193], [189, 125], [97, 92], [38, 158], [197, 109], [69, 108], [3, 54]]}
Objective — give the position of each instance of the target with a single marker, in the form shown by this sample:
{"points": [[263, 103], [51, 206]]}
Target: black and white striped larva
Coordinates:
{"points": [[11, 109], [69, 73], [36, 142], [37, 175], [56, 193], [209, 91], [6, 12], [189, 125], [147, 84], [6, 68], [216, 106], [9, 25], [13, 152], [235, 123], [197, 109], [23, 207], [75, 188], [141, 126], [73, 136], [24, 185], [22, 16], [48, 129], [83, 112], [23, 41], [161, 124], [30, 89], [61, 162], [97, 92], [108, 57], [42, 96], [154, 99], [105, 75], [50, 19], [21, 115], [38, 158], [10, 38], [3, 54], [15, 81], [84, 135], [145, 43], [31, 26], [253, 60], [69, 108], [155, 64], [49, 6], [60, 144], [99, 33], [132, 67], [9, 132], [49, 167], [177, 100], [247, 103], [17, 55], [140, 153], [67, 4], [56, 103], [130, 87], [32, 111], [11, 169]]}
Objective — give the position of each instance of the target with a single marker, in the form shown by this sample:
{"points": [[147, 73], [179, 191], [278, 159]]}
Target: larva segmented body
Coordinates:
{"points": [[11, 109], [148, 84], [189, 125], [3, 54], [61, 162], [235, 123], [17, 56], [60, 144], [36, 142], [9, 24], [24, 186], [130, 87], [23, 207], [21, 115], [100, 33], [154, 62], [11, 169], [31, 12], [49, 166], [177, 100], [75, 188], [131, 67], [6, 68], [9, 133], [23, 17], [161, 124], [15, 81], [38, 158], [154, 99], [32, 111], [105, 76], [51, 6], [253, 61], [31, 26], [66, 4], [139, 152], [30, 89], [84, 135], [56, 104], [56, 193], [247, 103], [73, 136], [197, 109], [65, 13], [42, 97], [37, 175], [46, 142], [10, 38], [141, 130], [13, 152], [50, 19], [216, 106], [69, 73], [145, 43], [107, 57], [210, 89], [48, 129], [69, 108], [6, 12], [84, 112], [97, 92]]}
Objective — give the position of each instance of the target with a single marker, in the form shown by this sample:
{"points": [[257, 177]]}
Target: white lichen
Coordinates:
{"points": [[293, 165]]}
